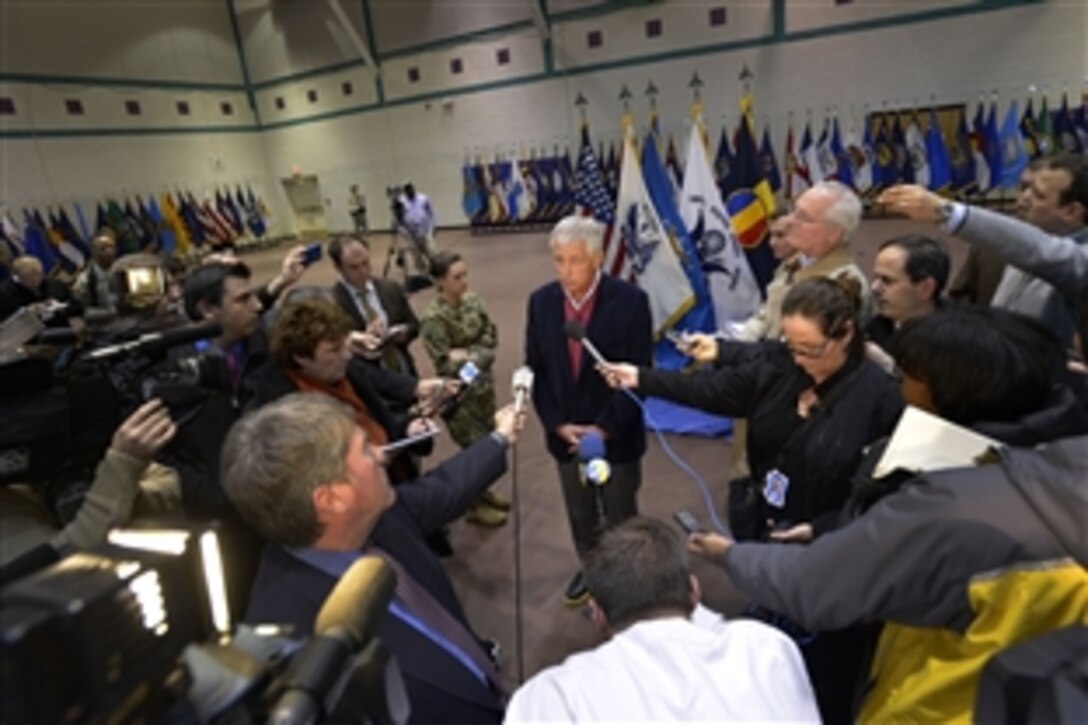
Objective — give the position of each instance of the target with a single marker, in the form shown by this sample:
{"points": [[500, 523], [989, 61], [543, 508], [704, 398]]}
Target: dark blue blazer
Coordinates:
{"points": [[621, 330], [440, 689]]}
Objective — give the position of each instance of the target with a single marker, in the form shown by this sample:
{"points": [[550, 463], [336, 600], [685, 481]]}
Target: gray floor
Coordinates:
{"points": [[504, 269]]}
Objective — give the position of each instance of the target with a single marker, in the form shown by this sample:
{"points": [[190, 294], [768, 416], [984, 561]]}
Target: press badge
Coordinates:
{"points": [[775, 486]]}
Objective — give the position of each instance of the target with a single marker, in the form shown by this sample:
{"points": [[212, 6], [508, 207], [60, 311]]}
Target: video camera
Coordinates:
{"points": [[138, 630], [393, 194], [58, 413]]}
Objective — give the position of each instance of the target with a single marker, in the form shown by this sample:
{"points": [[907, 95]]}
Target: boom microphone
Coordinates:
{"points": [[575, 331], [154, 342], [523, 386]]}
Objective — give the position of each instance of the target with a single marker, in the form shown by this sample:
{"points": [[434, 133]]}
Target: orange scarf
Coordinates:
{"points": [[345, 393]]}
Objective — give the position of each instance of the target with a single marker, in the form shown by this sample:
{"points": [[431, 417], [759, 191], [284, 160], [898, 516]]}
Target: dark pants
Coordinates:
{"points": [[619, 495]]}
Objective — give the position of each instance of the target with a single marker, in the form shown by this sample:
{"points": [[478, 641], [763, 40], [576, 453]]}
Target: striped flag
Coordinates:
{"points": [[592, 199]]}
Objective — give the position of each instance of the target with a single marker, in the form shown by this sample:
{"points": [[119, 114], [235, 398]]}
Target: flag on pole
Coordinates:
{"points": [[1014, 157], [844, 170], [1045, 139], [940, 169], [860, 157], [768, 161], [700, 318], [886, 166], [978, 150], [650, 253], [994, 155], [810, 156], [797, 179], [733, 287], [961, 159], [1065, 132], [591, 198], [750, 204]]}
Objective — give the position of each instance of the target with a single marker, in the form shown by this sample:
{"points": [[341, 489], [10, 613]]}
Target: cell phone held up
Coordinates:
{"points": [[312, 254], [687, 521]]}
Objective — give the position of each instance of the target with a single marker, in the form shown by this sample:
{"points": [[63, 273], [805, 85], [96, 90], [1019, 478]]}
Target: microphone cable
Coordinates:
{"points": [[708, 500]]}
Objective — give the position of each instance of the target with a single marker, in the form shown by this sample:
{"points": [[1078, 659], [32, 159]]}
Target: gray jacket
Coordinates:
{"points": [[910, 559], [1046, 272]]}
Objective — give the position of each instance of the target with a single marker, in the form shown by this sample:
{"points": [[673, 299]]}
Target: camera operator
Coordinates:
{"points": [[50, 298], [32, 535], [417, 222]]}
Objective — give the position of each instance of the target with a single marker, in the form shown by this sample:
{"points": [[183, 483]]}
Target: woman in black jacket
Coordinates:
{"points": [[813, 402]]}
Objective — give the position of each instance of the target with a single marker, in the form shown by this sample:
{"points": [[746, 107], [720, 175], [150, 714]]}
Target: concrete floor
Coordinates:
{"points": [[504, 269]]}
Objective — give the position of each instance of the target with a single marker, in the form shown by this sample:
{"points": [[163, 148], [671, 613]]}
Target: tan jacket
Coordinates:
{"points": [[767, 323]]}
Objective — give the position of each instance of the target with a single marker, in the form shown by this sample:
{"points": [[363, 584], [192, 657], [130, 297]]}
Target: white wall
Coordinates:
{"points": [[424, 130], [106, 53], [951, 59]]}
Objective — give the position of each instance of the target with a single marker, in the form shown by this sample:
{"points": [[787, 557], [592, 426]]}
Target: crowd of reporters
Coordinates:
{"points": [[869, 571]]}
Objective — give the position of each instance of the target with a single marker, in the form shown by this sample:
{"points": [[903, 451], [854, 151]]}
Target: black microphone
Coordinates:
{"points": [[344, 626], [575, 331], [56, 336], [154, 342]]}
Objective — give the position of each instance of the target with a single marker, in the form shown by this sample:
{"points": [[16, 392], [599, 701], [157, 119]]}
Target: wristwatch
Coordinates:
{"points": [[944, 211]]}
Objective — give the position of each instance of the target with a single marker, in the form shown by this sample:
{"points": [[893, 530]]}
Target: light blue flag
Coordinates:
{"points": [[1014, 156]]}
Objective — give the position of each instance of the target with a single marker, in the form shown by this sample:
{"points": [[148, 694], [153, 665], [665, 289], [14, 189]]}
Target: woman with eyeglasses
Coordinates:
{"points": [[813, 402]]}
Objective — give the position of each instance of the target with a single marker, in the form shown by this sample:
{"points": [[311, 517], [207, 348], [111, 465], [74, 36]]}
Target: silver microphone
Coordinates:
{"points": [[523, 386]]}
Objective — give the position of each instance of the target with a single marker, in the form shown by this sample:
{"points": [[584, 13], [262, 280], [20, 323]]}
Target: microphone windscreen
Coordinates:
{"points": [[574, 330], [523, 379], [359, 600], [590, 447]]}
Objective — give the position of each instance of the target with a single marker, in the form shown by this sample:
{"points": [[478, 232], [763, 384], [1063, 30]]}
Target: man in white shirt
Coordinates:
{"points": [[417, 221], [668, 658]]}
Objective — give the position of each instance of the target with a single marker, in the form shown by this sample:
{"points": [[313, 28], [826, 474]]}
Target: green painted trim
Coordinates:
{"points": [[455, 40], [798, 36], [778, 18], [326, 116], [56, 80], [592, 11], [546, 49], [409, 100], [99, 132], [922, 16], [304, 75], [240, 47], [368, 20]]}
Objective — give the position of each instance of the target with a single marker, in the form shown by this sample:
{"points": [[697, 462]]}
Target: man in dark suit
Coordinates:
{"points": [[570, 397], [320, 512], [378, 307]]}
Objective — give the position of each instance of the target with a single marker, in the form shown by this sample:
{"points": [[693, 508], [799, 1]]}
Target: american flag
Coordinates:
{"points": [[592, 199]]}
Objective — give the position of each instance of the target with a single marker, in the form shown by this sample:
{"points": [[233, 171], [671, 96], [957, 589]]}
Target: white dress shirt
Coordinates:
{"points": [[672, 669]]}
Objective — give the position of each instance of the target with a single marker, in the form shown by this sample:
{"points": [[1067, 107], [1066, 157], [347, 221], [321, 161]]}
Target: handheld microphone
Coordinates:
{"points": [[345, 625], [575, 331], [154, 342], [595, 468], [522, 384]]}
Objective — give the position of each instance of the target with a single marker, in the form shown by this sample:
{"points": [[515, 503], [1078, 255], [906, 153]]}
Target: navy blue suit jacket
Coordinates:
{"points": [[621, 330], [440, 689]]}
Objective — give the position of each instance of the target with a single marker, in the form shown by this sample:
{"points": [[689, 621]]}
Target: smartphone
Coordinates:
{"points": [[680, 339], [687, 521], [312, 254]]}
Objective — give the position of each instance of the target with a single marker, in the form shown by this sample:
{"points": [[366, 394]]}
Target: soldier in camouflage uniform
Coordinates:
{"points": [[456, 329]]}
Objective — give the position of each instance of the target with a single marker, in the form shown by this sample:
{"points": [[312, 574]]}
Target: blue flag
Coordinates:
{"points": [[904, 167], [700, 318], [723, 162], [1014, 157], [844, 170], [940, 168], [993, 148], [472, 201], [36, 242], [885, 172], [1065, 131], [768, 161]]}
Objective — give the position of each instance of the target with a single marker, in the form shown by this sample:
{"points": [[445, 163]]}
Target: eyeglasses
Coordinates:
{"points": [[812, 353]]}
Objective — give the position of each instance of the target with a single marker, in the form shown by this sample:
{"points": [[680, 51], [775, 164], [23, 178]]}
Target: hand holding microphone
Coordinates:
{"points": [[619, 375]]}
